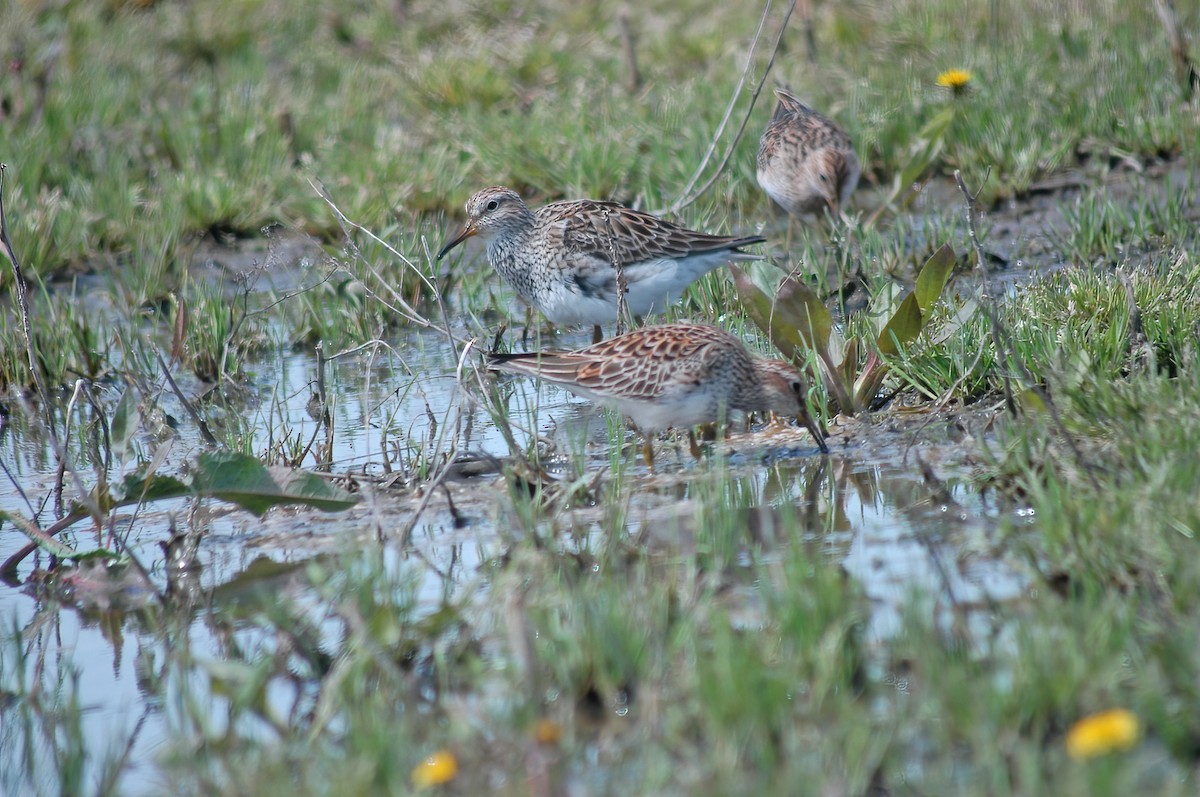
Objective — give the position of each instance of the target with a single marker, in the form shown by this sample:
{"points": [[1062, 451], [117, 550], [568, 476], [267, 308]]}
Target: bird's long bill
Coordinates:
{"points": [[815, 429], [467, 231]]}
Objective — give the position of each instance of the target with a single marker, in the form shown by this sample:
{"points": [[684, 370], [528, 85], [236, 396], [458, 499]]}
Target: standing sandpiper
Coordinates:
{"points": [[805, 161], [563, 258], [672, 375]]}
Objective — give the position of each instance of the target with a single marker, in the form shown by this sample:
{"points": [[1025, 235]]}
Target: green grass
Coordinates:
{"points": [[181, 121], [697, 661], [1112, 485], [184, 122], [1075, 324], [1104, 229]]}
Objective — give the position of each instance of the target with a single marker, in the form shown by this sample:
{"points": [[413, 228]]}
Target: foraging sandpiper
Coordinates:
{"points": [[805, 161], [672, 375], [563, 258]]}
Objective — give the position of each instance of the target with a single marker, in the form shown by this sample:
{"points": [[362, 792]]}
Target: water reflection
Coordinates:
{"points": [[108, 635]]}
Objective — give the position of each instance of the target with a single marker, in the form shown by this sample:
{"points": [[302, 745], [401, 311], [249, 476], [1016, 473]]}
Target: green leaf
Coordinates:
{"points": [[236, 478], [850, 360], [794, 319], [798, 306], [125, 421], [884, 303], [913, 313], [308, 488], [929, 144], [764, 276], [244, 684], [902, 327], [926, 147], [137, 487], [756, 301], [965, 314], [263, 576], [932, 279], [243, 480], [1031, 402]]}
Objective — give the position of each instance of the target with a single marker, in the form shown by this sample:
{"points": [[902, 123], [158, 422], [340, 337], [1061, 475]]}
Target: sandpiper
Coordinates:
{"points": [[672, 375], [563, 258], [805, 161]]}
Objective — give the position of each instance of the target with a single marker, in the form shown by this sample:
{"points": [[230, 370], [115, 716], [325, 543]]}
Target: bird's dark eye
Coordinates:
{"points": [[492, 204], [797, 388], [822, 178]]}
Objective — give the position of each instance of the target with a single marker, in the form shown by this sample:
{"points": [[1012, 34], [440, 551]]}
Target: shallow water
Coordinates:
{"points": [[893, 504], [873, 515]]}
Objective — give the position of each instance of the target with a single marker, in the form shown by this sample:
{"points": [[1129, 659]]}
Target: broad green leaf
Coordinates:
{"points": [[179, 338], [932, 279], [764, 276], [850, 360], [929, 144], [913, 313], [243, 684], [136, 488], [885, 301], [1031, 401], [104, 554], [308, 488], [243, 480], [795, 320], [958, 321], [262, 576], [236, 478], [125, 421], [757, 303], [901, 328], [797, 305]]}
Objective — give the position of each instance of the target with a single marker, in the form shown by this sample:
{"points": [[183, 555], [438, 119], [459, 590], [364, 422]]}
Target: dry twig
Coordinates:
{"points": [[201, 424], [686, 198], [1006, 350], [404, 309], [633, 76]]}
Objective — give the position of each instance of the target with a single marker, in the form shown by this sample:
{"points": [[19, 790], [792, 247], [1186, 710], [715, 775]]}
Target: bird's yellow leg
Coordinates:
{"points": [[648, 452]]}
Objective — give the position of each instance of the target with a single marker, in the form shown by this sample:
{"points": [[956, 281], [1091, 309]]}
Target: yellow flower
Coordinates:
{"points": [[441, 767], [547, 732], [1097, 734], [954, 79]]}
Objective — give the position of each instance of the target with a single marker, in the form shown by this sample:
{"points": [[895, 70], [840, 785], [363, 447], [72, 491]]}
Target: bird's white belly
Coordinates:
{"points": [[563, 306], [652, 286], [680, 413]]}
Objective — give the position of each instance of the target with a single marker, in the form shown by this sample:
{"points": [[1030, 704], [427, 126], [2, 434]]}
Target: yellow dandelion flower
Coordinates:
{"points": [[1097, 734], [547, 732], [954, 79], [441, 767]]}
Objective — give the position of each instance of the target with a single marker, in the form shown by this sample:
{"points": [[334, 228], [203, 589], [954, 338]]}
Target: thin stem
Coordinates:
{"points": [[684, 199]]}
